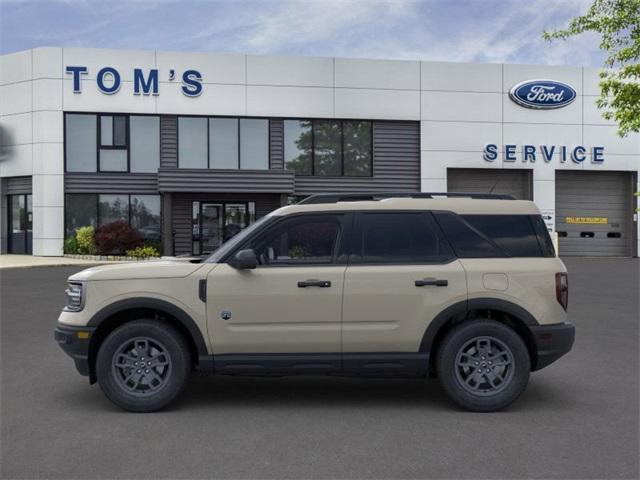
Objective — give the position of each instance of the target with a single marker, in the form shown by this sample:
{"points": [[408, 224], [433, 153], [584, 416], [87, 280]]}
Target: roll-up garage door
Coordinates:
{"points": [[517, 183], [594, 213]]}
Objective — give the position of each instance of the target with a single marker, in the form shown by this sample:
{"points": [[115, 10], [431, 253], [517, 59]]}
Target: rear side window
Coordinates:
{"points": [[397, 238], [514, 234], [544, 239], [467, 241]]}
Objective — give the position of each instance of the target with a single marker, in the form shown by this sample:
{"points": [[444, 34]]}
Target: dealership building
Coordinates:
{"points": [[189, 148]]}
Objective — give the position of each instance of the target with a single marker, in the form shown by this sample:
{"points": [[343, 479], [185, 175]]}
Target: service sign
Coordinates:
{"points": [[542, 94]]}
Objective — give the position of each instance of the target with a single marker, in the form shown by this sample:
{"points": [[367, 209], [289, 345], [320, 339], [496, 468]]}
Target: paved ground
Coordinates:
{"points": [[578, 418]]}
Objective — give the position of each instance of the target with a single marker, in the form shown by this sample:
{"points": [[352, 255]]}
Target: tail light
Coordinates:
{"points": [[562, 289]]}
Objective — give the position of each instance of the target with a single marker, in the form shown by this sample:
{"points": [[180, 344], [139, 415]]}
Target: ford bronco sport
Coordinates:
{"points": [[463, 287]]}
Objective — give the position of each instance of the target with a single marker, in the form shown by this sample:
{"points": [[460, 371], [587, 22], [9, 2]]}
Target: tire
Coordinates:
{"points": [[483, 365], [143, 365]]}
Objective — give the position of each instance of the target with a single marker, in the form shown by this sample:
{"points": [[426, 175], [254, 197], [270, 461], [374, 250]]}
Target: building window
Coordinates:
{"points": [[145, 143], [142, 212], [192, 142], [223, 143], [80, 142], [297, 146], [330, 148], [112, 143], [254, 144]]}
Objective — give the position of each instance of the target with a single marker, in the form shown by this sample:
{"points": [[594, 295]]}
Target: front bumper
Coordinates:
{"points": [[75, 343], [552, 342]]}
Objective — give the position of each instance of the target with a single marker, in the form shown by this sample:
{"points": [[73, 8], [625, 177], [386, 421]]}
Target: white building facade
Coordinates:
{"points": [[190, 147]]}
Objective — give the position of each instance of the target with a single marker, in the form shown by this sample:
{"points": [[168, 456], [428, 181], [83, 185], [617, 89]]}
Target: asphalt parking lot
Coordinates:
{"points": [[578, 418]]}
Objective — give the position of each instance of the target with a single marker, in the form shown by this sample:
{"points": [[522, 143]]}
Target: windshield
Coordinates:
{"points": [[233, 242]]}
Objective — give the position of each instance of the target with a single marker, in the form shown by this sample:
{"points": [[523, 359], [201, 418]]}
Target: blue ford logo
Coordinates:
{"points": [[542, 94]]}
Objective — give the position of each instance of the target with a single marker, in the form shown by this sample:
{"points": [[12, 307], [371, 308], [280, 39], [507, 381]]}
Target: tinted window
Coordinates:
{"points": [[145, 143], [466, 242], [80, 142], [113, 160], [297, 146], [309, 240], [192, 142], [514, 234], [544, 239], [112, 208], [80, 211], [223, 142], [254, 144], [401, 238], [327, 140], [145, 217], [357, 148]]}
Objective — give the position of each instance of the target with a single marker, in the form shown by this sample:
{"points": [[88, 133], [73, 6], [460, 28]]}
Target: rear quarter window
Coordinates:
{"points": [[513, 234]]}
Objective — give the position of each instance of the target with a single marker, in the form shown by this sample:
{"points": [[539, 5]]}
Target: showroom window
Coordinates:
{"points": [[112, 143], [223, 143], [142, 212], [331, 148]]}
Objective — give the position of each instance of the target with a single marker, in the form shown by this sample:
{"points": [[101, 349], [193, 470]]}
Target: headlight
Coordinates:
{"points": [[74, 297]]}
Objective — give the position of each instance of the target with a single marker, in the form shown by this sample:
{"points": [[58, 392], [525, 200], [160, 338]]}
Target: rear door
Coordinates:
{"points": [[401, 274]]}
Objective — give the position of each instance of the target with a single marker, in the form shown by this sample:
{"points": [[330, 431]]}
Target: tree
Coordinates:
{"points": [[618, 23]]}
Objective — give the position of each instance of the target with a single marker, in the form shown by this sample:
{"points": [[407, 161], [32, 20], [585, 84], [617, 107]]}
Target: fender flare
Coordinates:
{"points": [[155, 304], [462, 308]]}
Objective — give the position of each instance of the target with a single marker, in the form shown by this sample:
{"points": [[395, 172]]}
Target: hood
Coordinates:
{"points": [[139, 270]]}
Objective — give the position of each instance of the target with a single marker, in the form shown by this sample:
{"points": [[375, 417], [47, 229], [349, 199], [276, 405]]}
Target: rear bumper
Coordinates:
{"points": [[552, 342], [74, 345]]}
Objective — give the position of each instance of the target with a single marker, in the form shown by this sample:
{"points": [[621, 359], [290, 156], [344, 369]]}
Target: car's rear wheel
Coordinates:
{"points": [[483, 365], [143, 365]]}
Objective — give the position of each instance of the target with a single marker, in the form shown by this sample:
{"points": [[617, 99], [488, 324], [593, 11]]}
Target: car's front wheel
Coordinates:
{"points": [[483, 365], [143, 365]]}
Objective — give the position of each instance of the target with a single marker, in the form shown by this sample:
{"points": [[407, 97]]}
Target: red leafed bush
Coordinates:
{"points": [[116, 238]]}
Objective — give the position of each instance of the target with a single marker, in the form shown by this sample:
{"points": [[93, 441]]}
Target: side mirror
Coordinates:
{"points": [[244, 260]]}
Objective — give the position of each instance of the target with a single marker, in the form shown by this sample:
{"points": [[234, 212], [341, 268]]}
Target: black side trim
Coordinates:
{"points": [[202, 290], [382, 364], [459, 311], [155, 304], [552, 342], [77, 348]]}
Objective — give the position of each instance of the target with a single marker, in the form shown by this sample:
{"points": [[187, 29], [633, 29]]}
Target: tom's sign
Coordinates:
{"points": [[108, 80], [542, 94]]}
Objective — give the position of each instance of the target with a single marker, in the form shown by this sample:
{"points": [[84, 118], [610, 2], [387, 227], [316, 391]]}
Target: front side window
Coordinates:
{"points": [[80, 142], [397, 238], [306, 240]]}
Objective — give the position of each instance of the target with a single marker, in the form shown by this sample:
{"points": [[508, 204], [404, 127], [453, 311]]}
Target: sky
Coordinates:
{"points": [[486, 31]]}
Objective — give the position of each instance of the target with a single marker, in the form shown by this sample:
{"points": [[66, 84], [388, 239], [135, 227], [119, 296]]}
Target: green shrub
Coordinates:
{"points": [[71, 245], [143, 252], [84, 237]]}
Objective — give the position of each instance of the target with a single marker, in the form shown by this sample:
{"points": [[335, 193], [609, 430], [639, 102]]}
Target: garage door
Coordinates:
{"points": [[517, 183], [594, 213]]}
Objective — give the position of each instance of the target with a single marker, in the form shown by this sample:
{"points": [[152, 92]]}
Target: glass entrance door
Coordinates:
{"points": [[20, 222], [213, 223], [211, 227]]}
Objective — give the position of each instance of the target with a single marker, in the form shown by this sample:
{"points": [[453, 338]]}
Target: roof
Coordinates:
{"points": [[458, 204]]}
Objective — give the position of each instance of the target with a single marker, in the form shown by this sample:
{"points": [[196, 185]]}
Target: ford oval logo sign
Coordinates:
{"points": [[542, 94]]}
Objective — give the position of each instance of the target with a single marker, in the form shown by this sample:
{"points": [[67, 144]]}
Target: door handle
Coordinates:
{"points": [[432, 282], [314, 283]]}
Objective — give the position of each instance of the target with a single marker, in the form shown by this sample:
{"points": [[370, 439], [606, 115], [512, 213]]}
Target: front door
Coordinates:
{"points": [[211, 227], [401, 274], [291, 303], [20, 221]]}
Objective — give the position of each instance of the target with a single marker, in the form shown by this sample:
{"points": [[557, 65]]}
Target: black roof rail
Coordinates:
{"points": [[359, 197]]}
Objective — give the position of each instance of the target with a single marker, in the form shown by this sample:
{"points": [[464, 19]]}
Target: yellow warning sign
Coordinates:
{"points": [[587, 220]]}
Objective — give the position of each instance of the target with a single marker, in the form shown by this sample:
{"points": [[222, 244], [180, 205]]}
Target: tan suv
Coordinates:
{"points": [[460, 286]]}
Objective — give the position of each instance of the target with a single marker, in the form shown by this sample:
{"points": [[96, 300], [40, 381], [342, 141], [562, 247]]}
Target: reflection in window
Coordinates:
{"points": [[310, 240], [297, 146], [357, 148], [81, 210], [327, 142], [80, 142], [223, 142], [145, 217], [112, 208]]}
